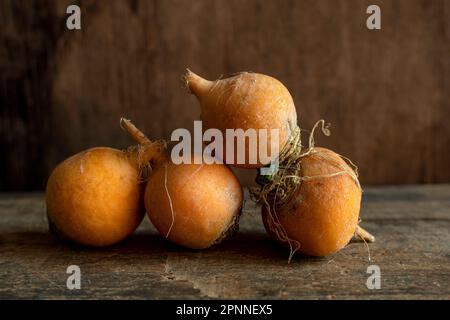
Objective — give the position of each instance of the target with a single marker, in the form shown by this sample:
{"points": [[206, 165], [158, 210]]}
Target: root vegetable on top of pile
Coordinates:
{"points": [[246, 101]]}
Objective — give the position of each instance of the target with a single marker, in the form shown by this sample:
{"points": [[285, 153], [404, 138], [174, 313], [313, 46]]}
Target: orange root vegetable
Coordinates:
{"points": [[192, 205], [323, 213], [312, 204], [95, 197], [246, 101]]}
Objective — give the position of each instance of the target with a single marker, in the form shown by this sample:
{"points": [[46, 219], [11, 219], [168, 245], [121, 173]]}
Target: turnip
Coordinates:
{"points": [[192, 205], [246, 101], [312, 203], [95, 197]]}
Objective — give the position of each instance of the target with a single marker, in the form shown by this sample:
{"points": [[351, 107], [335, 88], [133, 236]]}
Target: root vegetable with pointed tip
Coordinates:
{"points": [[94, 198], [246, 101], [322, 215], [312, 203], [193, 205]]}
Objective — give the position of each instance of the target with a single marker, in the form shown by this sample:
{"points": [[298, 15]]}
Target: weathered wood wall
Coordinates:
{"points": [[385, 92]]}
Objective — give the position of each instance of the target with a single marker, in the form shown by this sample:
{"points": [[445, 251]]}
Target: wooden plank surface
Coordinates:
{"points": [[411, 224]]}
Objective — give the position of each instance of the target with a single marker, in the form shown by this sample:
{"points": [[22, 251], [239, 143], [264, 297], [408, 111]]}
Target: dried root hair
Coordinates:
{"points": [[231, 229]]}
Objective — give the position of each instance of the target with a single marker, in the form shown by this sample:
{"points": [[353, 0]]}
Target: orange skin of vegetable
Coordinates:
{"points": [[94, 197], [245, 101], [193, 205], [206, 198], [323, 213]]}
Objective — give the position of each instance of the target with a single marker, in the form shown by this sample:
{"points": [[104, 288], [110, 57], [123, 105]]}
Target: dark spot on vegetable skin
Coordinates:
{"points": [[319, 184]]}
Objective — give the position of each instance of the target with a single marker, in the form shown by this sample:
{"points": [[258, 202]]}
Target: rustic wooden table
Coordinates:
{"points": [[412, 250]]}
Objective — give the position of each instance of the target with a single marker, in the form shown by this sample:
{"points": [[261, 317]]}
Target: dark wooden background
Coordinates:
{"points": [[386, 93]]}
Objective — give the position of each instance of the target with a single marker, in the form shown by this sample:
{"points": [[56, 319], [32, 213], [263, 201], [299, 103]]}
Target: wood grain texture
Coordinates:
{"points": [[412, 250], [385, 92]]}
